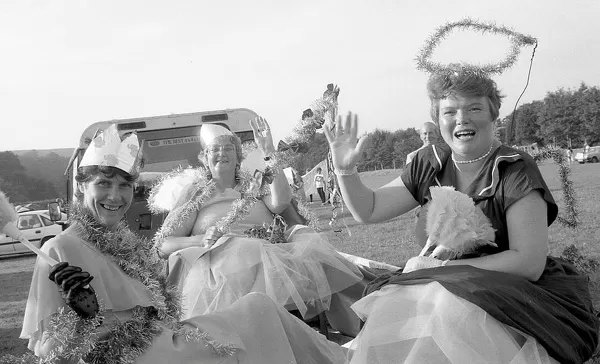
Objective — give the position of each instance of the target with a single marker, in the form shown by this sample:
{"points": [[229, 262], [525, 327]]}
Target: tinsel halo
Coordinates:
{"points": [[517, 41]]}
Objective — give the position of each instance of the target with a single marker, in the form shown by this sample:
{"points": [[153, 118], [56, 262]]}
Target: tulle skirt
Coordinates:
{"points": [[301, 274], [427, 324], [258, 330]]}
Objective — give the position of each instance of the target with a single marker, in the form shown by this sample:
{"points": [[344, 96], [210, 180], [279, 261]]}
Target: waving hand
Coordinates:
{"points": [[346, 149], [262, 135]]}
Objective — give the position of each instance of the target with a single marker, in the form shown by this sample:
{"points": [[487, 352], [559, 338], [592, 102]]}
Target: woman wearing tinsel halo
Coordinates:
{"points": [[138, 316], [507, 302], [216, 266]]}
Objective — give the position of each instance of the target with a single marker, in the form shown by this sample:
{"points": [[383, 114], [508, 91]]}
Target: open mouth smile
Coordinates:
{"points": [[464, 134], [110, 207]]}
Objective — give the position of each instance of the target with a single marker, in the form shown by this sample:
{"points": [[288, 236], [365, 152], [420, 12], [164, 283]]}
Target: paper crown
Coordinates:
{"points": [[209, 132], [107, 149]]}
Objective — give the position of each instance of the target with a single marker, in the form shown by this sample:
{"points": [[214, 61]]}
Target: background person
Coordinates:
{"points": [[570, 155], [429, 135], [320, 185]]}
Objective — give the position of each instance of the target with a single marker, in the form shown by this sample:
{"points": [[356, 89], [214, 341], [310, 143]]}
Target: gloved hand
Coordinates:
{"points": [[74, 288], [420, 262]]}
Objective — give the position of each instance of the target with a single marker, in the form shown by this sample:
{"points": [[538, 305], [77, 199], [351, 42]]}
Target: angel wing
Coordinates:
{"points": [[174, 187]]}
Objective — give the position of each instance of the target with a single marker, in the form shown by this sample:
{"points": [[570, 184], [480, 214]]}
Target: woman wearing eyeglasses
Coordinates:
{"points": [[302, 274]]}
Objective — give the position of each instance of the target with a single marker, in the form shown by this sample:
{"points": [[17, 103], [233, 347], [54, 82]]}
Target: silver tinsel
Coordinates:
{"points": [[517, 40], [564, 171]]}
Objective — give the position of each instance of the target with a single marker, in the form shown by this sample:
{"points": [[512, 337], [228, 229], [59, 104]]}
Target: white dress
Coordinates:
{"points": [[258, 329], [301, 274], [426, 324]]}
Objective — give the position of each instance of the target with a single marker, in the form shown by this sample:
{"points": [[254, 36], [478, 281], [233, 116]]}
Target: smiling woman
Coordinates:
{"points": [[106, 191], [505, 303]]}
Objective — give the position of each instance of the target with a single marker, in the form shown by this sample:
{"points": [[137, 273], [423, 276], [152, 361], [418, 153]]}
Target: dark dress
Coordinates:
{"points": [[557, 309]]}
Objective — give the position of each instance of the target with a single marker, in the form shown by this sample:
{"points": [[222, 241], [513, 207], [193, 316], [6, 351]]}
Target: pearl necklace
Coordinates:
{"points": [[476, 159]]}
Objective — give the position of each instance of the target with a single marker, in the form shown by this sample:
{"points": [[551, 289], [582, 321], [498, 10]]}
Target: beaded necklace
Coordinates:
{"points": [[476, 159]]}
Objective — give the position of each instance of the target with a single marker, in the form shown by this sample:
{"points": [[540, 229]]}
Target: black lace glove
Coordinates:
{"points": [[74, 287]]}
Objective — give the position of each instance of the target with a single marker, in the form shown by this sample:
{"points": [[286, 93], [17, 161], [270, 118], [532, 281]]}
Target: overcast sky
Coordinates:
{"points": [[68, 64]]}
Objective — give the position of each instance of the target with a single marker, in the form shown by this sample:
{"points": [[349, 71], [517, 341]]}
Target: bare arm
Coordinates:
{"points": [[181, 237], [281, 193], [365, 205], [528, 241], [370, 206]]}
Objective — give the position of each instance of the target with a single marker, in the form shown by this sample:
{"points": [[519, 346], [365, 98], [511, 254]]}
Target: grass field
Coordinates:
{"points": [[391, 242]]}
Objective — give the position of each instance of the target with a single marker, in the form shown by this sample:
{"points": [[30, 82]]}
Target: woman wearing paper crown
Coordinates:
{"points": [[216, 265], [138, 320], [508, 302]]}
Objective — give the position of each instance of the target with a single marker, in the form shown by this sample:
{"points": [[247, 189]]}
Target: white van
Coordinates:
{"points": [[167, 142]]}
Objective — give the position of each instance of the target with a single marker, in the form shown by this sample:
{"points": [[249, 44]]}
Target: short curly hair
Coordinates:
{"points": [[440, 86]]}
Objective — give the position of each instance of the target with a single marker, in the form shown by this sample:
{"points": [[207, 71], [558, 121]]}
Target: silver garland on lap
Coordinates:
{"points": [[126, 340]]}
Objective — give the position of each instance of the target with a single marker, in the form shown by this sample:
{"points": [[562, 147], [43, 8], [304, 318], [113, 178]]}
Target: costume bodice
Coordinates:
{"points": [[221, 204], [505, 177]]}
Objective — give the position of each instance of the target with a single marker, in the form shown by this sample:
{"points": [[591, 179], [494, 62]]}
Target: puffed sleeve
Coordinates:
{"points": [[522, 177], [420, 174]]}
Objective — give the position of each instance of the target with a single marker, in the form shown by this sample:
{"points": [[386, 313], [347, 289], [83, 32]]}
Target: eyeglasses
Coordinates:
{"points": [[228, 148]]}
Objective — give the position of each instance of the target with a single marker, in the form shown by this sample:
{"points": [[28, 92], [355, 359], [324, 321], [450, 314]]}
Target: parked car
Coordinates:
{"points": [[591, 156], [36, 227]]}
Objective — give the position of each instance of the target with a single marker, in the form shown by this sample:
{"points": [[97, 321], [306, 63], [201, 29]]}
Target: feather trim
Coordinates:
{"points": [[456, 226]]}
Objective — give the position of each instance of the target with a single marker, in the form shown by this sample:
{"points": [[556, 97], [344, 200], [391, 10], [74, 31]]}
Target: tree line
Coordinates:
{"points": [[564, 118], [384, 150], [32, 177]]}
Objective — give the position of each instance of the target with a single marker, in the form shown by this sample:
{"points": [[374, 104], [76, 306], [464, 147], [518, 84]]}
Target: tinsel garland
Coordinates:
{"points": [[204, 188], [517, 41], [75, 337], [125, 340], [564, 171], [313, 119]]}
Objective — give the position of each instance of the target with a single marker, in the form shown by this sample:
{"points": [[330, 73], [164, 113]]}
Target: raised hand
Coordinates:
{"points": [[346, 149], [262, 135]]}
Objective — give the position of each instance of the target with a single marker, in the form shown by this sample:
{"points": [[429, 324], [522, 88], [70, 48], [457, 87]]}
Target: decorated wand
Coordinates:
{"points": [[81, 297], [8, 225]]}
